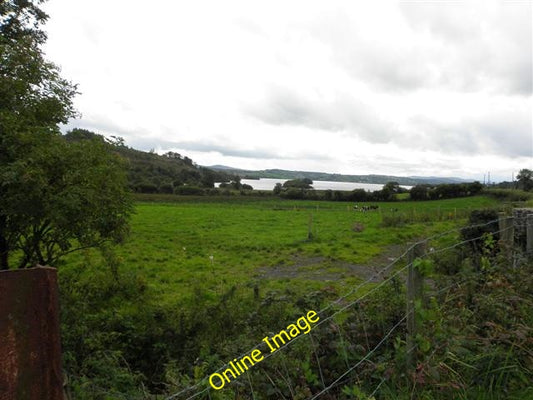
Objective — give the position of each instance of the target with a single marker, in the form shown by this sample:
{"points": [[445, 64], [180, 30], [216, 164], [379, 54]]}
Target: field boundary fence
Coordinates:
{"points": [[407, 266]]}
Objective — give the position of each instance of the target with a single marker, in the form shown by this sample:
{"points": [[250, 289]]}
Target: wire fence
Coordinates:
{"points": [[340, 305]]}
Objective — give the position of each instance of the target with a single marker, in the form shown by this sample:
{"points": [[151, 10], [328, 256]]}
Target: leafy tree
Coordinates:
{"points": [[207, 178], [236, 182], [277, 188], [392, 187], [55, 196], [474, 188], [293, 193], [525, 179], [387, 193], [63, 197], [419, 192], [358, 195], [304, 183]]}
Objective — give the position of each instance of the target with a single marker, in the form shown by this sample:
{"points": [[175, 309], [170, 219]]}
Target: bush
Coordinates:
{"points": [[509, 194], [293, 194], [396, 219], [166, 188], [145, 187], [486, 222]]}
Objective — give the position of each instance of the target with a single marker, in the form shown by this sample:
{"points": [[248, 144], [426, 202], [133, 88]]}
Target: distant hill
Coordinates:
{"points": [[152, 173], [323, 176]]}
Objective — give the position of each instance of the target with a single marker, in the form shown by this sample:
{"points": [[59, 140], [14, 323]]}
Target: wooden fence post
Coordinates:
{"points": [[310, 228], [414, 292], [506, 227], [529, 235]]}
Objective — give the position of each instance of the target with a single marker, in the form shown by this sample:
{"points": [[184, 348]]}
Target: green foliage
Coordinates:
{"points": [[419, 192], [513, 195], [55, 196], [174, 314], [304, 183], [525, 179], [445, 191], [63, 196], [424, 266], [153, 173], [486, 222]]}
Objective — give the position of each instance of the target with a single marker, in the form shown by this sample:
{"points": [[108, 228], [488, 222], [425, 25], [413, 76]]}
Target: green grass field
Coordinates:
{"points": [[201, 280], [215, 243]]}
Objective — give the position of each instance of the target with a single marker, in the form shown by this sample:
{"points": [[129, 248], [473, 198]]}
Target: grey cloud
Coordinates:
{"points": [[385, 63], [142, 140], [507, 134], [462, 47], [482, 49], [231, 151], [283, 106], [224, 150]]}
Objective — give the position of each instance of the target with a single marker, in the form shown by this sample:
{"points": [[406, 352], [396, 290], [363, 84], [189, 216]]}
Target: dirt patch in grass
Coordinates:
{"points": [[328, 269]]}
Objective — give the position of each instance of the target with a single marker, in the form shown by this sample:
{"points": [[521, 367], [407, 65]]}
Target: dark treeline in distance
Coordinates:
{"points": [[149, 172], [173, 173]]}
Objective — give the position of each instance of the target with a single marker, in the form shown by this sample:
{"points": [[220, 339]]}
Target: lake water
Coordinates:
{"points": [[268, 184]]}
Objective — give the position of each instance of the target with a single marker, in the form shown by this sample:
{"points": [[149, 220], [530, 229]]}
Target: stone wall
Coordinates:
{"points": [[520, 223]]}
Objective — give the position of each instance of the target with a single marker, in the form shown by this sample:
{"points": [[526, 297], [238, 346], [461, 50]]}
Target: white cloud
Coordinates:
{"points": [[425, 88]]}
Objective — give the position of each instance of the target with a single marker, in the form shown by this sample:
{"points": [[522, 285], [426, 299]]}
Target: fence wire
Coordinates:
{"points": [[338, 301]]}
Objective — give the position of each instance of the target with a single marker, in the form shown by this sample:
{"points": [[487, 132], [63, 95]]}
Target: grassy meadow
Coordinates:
{"points": [[215, 243], [200, 280]]}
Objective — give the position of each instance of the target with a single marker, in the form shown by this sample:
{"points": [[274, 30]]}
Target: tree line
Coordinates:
{"points": [[303, 189]]}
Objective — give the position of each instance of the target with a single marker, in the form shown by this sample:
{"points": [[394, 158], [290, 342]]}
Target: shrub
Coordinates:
{"points": [[509, 194], [145, 187], [166, 188], [486, 222]]}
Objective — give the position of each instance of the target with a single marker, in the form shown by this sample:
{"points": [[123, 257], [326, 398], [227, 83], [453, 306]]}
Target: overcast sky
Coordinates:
{"points": [[440, 88]]}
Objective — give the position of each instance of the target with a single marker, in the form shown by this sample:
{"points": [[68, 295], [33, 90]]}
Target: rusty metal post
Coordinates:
{"points": [[30, 350]]}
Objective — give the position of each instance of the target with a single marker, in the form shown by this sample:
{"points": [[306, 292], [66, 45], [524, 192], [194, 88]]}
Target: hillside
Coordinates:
{"points": [[152, 173], [324, 176]]}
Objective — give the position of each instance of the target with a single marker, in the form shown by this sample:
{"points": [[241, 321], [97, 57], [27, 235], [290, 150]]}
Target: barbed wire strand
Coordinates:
{"points": [[377, 388], [198, 393], [317, 360], [338, 300], [274, 384], [251, 386], [465, 241], [388, 266], [344, 352], [335, 382], [318, 324], [441, 234], [388, 334]]}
